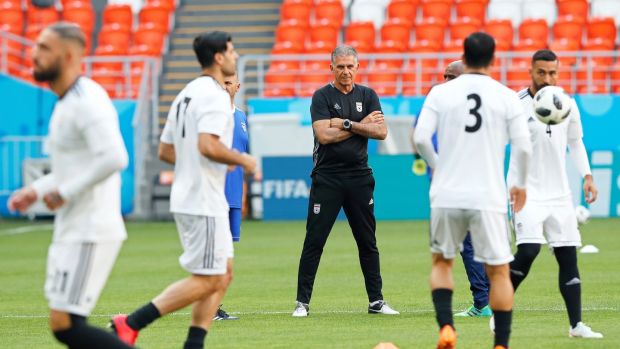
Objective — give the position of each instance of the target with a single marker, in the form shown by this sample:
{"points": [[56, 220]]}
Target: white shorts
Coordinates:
{"points": [[554, 224], [489, 234], [77, 272], [207, 243]]}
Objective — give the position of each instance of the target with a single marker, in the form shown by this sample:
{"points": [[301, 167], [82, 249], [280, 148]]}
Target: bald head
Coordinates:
{"points": [[453, 70]]}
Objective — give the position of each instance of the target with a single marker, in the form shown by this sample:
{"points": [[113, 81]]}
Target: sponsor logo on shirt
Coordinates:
{"points": [[244, 127], [337, 107], [358, 106]]}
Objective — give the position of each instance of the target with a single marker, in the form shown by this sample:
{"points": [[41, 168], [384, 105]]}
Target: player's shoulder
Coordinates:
{"points": [[86, 89], [204, 86]]}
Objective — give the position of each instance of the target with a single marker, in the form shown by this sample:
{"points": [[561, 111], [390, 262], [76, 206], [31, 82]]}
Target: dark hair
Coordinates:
{"points": [[206, 45], [544, 55], [69, 31], [478, 50]]}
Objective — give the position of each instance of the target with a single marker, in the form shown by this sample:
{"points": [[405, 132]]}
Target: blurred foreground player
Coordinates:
{"points": [[84, 187], [197, 140], [474, 117]]}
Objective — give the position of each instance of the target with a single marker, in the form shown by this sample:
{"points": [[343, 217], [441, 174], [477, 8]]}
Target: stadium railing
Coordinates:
{"points": [[416, 73], [144, 90]]}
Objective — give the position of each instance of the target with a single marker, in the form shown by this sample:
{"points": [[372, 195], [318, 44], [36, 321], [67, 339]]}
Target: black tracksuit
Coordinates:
{"points": [[341, 178]]}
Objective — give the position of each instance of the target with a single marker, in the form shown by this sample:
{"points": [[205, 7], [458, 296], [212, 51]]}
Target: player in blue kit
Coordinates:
{"points": [[478, 282], [234, 178]]}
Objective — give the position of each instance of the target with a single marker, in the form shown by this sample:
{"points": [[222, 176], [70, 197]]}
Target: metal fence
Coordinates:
{"points": [[416, 73], [129, 77], [14, 150]]}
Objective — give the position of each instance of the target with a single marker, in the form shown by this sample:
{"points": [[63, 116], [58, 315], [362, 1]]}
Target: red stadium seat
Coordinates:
{"points": [[114, 36], [42, 16], [568, 27], [322, 49], [601, 27], [151, 12], [12, 16], [286, 48], [424, 47], [599, 44], [361, 32], [471, 8], [462, 27], [296, 9], [389, 47], [528, 47], [418, 85], [330, 10], [383, 80], [325, 31], [396, 29], [291, 30], [110, 80], [518, 75], [535, 29], [151, 38], [500, 29], [590, 75], [118, 13], [109, 51], [403, 9], [561, 47], [362, 49], [280, 83], [577, 8], [312, 78], [80, 13], [436, 8], [615, 77], [431, 29]]}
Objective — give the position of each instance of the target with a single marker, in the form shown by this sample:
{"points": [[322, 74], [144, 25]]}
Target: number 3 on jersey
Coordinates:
{"points": [[186, 100], [474, 112]]}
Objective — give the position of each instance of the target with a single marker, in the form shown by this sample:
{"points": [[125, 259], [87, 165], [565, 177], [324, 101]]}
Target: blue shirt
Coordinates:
{"points": [[234, 179]]}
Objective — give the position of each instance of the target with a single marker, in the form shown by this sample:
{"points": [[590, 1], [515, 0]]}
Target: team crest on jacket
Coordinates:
{"points": [[358, 106], [244, 127], [317, 208]]}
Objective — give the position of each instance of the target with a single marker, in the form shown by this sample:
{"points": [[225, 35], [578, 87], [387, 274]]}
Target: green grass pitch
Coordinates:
{"points": [[264, 286]]}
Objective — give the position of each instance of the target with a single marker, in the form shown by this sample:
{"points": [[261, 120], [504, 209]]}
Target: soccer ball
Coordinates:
{"points": [[552, 105], [582, 213]]}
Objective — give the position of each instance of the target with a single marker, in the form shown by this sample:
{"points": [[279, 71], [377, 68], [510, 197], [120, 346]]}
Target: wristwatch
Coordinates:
{"points": [[346, 124]]}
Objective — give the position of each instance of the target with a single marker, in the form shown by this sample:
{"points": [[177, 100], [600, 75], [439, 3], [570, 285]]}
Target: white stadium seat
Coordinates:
{"points": [[368, 11], [606, 8], [505, 9], [540, 9]]}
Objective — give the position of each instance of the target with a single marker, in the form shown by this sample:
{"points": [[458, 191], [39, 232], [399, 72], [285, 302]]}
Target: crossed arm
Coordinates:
{"points": [[332, 130]]}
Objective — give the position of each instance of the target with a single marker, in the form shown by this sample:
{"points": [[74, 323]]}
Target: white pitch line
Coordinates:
{"points": [[26, 229], [418, 311]]}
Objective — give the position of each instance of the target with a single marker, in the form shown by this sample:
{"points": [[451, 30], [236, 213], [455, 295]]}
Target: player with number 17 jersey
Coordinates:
{"points": [[198, 188]]}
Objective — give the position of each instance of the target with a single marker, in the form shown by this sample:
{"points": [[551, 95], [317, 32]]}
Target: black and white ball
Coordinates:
{"points": [[552, 105]]}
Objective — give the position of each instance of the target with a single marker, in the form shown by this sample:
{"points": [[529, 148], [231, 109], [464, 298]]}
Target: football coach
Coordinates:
{"points": [[344, 116]]}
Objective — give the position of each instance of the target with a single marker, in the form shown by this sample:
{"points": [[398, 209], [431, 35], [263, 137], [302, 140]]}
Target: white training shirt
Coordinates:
{"points": [[474, 117], [547, 180], [87, 153], [203, 106]]}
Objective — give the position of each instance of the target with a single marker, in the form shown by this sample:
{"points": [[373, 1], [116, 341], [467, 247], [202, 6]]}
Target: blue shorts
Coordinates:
{"points": [[234, 215]]}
